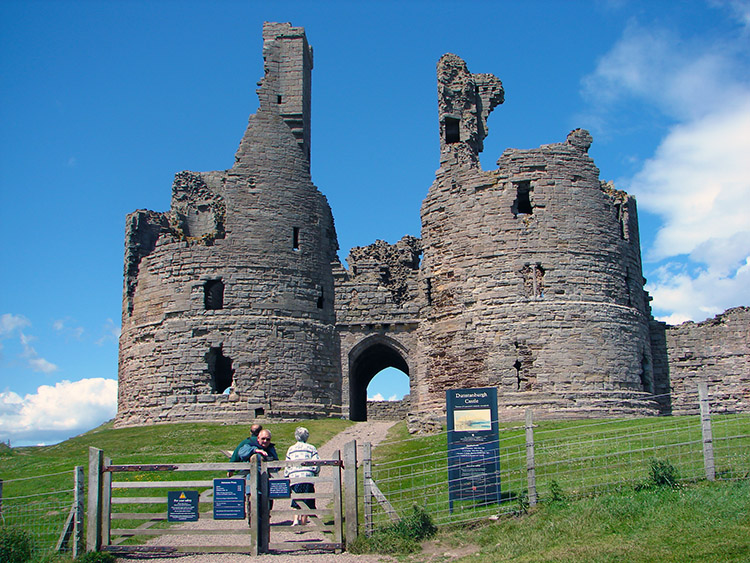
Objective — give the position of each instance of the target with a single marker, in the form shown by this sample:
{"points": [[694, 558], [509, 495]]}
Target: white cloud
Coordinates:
{"points": [[63, 326], [695, 295], [30, 354], [379, 397], [57, 412], [698, 179], [111, 332], [9, 323], [739, 9], [11, 326], [699, 183]]}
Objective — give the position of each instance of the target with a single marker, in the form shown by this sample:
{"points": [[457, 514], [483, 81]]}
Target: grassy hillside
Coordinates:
{"points": [[699, 522], [38, 481], [703, 522]]}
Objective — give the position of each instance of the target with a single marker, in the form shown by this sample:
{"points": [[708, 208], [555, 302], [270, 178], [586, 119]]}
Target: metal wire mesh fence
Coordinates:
{"points": [[587, 458], [41, 506]]}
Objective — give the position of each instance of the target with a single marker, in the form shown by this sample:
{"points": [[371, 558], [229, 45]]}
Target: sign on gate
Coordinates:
{"points": [[473, 456], [229, 499], [182, 506], [279, 488]]}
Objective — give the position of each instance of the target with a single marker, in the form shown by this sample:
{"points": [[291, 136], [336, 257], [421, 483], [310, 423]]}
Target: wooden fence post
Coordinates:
{"points": [[94, 517], [367, 470], [338, 529], [252, 510], [708, 440], [264, 521], [350, 488], [1, 497], [530, 464], [78, 517], [106, 503]]}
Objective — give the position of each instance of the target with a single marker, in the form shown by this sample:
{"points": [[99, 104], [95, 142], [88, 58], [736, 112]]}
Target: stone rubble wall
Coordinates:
{"points": [[377, 308], [533, 275], [388, 410], [715, 351], [527, 278]]}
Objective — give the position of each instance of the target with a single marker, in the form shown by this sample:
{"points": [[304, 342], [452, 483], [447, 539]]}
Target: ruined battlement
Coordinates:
{"points": [[527, 278]]}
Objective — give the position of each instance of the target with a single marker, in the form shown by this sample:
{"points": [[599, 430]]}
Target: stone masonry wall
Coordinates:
{"points": [[377, 310], [527, 278], [715, 351], [533, 276], [228, 297]]}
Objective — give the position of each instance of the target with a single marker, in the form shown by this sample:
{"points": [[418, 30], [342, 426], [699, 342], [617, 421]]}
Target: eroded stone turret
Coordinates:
{"points": [[465, 101], [228, 296]]}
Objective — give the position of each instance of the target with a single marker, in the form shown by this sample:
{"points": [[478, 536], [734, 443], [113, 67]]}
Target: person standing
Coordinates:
{"points": [[299, 451]]}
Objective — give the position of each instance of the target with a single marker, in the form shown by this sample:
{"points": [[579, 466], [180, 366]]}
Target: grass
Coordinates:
{"points": [[53, 466], [575, 460], [703, 522], [572, 458]]}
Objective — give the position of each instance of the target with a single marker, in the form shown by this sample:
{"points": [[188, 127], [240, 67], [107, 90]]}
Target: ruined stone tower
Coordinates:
{"points": [[235, 305], [532, 271], [228, 296]]}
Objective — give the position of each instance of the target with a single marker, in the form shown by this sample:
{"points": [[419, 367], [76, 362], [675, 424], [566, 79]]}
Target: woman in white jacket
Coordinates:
{"points": [[299, 452]]}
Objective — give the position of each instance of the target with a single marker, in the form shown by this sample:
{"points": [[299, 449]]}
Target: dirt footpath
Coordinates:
{"points": [[372, 432]]}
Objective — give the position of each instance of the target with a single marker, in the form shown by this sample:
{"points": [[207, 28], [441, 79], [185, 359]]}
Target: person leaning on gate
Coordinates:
{"points": [[298, 452], [246, 447]]}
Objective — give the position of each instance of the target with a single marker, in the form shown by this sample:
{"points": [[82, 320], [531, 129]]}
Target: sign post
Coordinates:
{"points": [[473, 451]]}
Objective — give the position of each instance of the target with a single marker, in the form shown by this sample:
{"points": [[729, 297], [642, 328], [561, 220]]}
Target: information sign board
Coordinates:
{"points": [[473, 456], [279, 488], [229, 499], [182, 506]]}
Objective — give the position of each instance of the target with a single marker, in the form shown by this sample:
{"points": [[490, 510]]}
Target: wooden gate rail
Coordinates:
{"points": [[101, 500]]}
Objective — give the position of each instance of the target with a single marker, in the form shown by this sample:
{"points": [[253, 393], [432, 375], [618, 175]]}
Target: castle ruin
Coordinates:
{"points": [[527, 278]]}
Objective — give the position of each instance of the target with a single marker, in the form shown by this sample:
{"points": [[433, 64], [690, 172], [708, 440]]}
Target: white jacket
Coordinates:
{"points": [[298, 452]]}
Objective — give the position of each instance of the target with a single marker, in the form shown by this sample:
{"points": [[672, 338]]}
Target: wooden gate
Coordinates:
{"points": [[121, 510]]}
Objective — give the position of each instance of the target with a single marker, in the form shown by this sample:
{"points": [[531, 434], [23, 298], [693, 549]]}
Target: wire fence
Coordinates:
{"points": [[41, 506], [585, 459]]}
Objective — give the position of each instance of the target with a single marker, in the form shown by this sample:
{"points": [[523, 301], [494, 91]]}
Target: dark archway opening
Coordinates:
{"points": [[220, 369], [365, 366]]}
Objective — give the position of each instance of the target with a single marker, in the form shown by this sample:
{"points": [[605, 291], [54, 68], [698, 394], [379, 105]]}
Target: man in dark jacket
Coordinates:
{"points": [[246, 447]]}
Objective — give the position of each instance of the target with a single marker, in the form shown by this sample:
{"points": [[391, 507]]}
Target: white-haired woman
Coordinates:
{"points": [[299, 452]]}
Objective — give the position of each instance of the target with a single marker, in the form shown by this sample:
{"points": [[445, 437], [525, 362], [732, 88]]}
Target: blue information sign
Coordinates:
{"points": [[279, 488], [473, 454], [182, 506], [229, 499]]}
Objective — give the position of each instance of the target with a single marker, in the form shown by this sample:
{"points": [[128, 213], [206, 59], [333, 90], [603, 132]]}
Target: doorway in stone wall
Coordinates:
{"points": [[366, 360]]}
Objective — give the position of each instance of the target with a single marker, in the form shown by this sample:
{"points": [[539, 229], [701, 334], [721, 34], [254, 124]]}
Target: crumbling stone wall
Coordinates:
{"points": [[235, 305], [377, 310], [388, 410], [715, 351], [228, 296], [532, 273]]}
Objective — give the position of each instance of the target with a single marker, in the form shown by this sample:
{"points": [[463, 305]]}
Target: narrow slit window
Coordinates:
{"points": [[321, 300], [213, 295], [278, 99], [452, 130], [295, 238], [523, 198]]}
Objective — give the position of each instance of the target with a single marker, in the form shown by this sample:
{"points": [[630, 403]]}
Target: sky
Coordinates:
{"points": [[101, 103]]}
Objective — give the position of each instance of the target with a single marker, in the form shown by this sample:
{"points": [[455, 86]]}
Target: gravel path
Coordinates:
{"points": [[372, 432]]}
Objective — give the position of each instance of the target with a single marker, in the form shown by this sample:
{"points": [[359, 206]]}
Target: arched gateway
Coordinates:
{"points": [[366, 360]]}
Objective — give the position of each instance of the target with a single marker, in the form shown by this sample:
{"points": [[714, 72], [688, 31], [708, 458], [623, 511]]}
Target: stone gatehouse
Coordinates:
{"points": [[527, 278]]}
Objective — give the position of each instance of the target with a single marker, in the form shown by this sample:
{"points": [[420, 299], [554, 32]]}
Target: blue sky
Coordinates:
{"points": [[101, 103]]}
